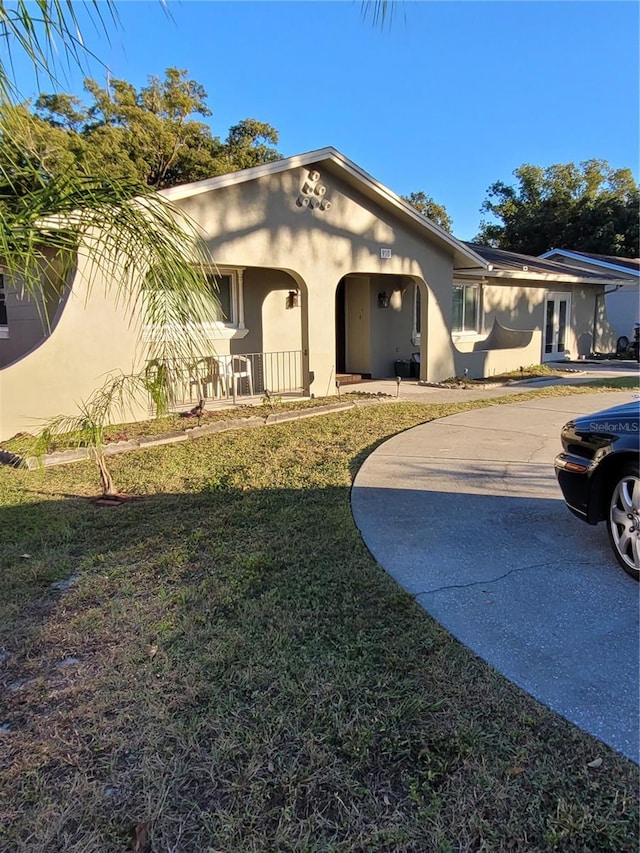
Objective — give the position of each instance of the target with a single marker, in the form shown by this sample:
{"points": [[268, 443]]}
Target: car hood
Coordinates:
{"points": [[627, 413]]}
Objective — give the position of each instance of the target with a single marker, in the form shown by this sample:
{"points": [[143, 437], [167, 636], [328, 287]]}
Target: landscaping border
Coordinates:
{"points": [[77, 454]]}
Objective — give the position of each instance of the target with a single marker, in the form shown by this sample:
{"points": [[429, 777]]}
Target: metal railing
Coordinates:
{"points": [[228, 377]]}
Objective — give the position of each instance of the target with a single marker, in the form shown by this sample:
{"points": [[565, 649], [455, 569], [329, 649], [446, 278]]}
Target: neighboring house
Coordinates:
{"points": [[622, 302], [322, 271]]}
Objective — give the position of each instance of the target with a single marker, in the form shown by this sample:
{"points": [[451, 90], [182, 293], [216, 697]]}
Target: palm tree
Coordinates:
{"points": [[47, 220]]}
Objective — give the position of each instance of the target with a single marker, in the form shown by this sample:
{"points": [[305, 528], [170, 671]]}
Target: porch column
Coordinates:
{"points": [[320, 320], [240, 279]]}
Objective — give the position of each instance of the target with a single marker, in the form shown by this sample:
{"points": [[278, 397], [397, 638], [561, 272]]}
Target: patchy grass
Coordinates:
{"points": [[232, 671], [530, 371], [615, 384], [24, 443]]}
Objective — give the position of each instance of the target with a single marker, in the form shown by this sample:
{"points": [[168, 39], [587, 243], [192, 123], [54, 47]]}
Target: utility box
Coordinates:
{"points": [[415, 365], [402, 368]]}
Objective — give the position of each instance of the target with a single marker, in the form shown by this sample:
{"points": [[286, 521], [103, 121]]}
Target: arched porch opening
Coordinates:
{"points": [[378, 322]]}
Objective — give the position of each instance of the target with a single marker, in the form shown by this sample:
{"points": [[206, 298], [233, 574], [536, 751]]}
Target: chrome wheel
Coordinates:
{"points": [[623, 520]]}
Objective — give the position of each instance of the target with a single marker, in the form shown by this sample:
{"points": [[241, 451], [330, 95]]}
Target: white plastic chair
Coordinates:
{"points": [[238, 367], [212, 377]]}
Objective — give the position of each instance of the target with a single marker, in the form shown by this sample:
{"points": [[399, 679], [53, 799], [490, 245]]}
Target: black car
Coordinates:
{"points": [[598, 475]]}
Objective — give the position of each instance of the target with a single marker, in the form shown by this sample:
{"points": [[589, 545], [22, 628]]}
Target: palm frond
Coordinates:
{"points": [[380, 12], [125, 233], [46, 32]]}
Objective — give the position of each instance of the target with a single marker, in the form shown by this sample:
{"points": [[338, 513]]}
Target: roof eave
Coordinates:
{"points": [[585, 259], [538, 276]]}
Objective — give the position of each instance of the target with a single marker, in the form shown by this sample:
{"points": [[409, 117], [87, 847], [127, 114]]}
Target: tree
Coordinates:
{"points": [[590, 208], [425, 205], [153, 135]]}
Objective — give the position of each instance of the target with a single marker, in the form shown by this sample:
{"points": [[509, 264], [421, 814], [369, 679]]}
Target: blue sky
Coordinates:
{"points": [[450, 98]]}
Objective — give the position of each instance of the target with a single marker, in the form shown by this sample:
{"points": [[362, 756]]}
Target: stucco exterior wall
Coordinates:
{"points": [[623, 311], [392, 326], [523, 307], [273, 326], [622, 306]]}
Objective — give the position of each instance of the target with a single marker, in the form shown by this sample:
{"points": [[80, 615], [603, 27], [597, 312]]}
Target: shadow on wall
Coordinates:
{"points": [[503, 349]]}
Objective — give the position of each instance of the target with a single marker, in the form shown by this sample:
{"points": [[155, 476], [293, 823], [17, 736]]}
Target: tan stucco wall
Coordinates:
{"points": [[272, 327], [377, 337], [622, 306], [392, 326]]}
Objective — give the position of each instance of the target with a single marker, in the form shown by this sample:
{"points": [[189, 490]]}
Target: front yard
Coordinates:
{"points": [[227, 669]]}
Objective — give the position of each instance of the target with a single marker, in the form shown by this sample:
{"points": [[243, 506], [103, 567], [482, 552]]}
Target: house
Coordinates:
{"points": [[516, 296], [623, 300], [322, 271]]}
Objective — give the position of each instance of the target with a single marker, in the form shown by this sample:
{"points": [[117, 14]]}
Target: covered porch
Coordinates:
{"points": [[228, 379]]}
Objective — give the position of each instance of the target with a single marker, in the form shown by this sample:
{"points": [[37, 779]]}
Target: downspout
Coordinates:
{"points": [[595, 315]]}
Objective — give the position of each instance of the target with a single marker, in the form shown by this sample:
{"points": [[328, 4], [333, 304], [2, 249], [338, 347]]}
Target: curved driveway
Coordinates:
{"points": [[466, 514]]}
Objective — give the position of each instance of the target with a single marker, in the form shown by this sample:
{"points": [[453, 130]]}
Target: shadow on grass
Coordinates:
{"points": [[231, 666]]}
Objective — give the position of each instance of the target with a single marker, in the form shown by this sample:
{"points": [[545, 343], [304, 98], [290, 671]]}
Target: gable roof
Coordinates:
{"points": [[607, 262], [503, 264], [339, 165]]}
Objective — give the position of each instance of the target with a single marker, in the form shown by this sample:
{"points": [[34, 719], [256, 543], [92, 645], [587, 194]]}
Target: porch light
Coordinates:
{"points": [[293, 299], [383, 299]]}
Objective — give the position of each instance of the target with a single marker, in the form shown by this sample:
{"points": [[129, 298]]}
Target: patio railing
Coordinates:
{"points": [[229, 377]]}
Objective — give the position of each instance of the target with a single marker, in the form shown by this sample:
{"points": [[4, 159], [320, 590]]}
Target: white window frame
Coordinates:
{"points": [[234, 326], [232, 329], [4, 326], [479, 324]]}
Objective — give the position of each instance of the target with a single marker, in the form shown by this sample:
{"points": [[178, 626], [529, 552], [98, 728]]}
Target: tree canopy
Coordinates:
{"points": [[425, 205], [154, 136], [589, 207]]}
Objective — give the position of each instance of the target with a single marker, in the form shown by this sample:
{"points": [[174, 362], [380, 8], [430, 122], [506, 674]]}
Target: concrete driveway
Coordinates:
{"points": [[466, 514]]}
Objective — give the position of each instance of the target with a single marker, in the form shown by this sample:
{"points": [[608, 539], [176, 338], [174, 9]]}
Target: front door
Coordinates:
{"points": [[557, 314]]}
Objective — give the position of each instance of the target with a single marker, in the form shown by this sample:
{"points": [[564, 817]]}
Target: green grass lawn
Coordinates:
{"points": [[232, 671]]}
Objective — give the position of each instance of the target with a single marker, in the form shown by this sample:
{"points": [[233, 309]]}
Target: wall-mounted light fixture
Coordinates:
{"points": [[293, 299], [383, 299]]}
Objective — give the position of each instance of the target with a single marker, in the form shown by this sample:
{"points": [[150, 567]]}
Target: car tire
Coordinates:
{"points": [[623, 519]]}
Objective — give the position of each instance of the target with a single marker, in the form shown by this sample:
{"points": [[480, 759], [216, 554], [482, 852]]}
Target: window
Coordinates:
{"points": [[223, 288], [417, 315], [228, 286], [465, 315]]}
